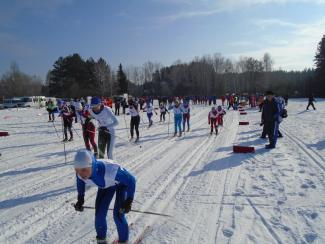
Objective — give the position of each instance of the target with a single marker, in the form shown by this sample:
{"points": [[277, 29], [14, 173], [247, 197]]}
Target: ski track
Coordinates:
{"points": [[213, 195]]}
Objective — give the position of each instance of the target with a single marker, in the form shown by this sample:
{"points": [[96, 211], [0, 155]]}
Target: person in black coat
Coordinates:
{"points": [[311, 101], [271, 119]]}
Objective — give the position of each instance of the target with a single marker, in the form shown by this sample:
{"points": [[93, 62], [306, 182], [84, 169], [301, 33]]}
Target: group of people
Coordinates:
{"points": [[110, 177]]}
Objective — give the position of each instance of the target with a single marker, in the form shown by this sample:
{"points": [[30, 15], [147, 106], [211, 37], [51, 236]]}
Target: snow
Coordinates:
{"points": [[212, 194]]}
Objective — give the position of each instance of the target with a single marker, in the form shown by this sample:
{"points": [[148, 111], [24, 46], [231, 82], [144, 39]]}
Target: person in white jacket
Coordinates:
{"points": [[106, 132]]}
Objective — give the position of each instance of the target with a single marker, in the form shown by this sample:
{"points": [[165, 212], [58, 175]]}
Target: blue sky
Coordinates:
{"points": [[34, 33]]}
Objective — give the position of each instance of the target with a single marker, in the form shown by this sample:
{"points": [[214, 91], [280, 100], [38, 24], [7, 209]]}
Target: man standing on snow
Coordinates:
{"points": [[110, 178], [106, 132], [271, 119], [311, 101]]}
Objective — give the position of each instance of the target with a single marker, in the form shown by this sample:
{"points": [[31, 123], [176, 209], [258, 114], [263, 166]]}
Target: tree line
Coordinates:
{"points": [[73, 76]]}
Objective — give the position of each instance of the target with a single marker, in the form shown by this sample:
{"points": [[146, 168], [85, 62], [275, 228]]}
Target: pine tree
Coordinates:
{"points": [[122, 80], [320, 68]]}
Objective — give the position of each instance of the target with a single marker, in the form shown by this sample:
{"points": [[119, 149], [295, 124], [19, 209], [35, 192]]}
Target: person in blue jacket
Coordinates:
{"points": [[178, 115], [110, 178]]}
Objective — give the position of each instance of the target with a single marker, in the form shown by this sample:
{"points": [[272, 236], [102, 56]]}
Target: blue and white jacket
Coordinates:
{"points": [[106, 173], [178, 111]]}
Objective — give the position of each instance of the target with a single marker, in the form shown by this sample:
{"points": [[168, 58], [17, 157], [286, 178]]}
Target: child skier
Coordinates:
{"points": [[212, 120], [149, 108], [67, 117], [106, 132], [186, 115], [221, 112], [178, 114], [135, 119], [163, 111], [88, 127], [110, 178]]}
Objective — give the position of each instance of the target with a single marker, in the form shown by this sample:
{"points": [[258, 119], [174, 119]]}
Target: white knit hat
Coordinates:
{"points": [[83, 159]]}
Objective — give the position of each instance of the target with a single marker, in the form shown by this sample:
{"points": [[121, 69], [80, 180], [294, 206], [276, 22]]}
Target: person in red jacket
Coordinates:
{"points": [[220, 113], [88, 128], [212, 120]]}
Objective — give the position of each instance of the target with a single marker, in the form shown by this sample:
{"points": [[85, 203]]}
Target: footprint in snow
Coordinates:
{"points": [[228, 232], [310, 237], [304, 186]]}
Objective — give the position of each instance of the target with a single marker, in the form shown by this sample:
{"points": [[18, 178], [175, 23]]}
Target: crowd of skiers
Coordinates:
{"points": [[110, 178]]}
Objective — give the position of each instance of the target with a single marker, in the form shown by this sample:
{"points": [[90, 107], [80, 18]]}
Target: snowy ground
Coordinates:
{"points": [[213, 195]]}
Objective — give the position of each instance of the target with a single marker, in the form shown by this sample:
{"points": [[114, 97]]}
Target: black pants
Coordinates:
{"points": [[67, 126], [135, 121], [117, 110], [271, 130], [162, 116], [264, 133], [311, 104]]}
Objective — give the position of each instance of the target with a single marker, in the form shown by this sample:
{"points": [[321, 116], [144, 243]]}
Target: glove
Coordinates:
{"points": [[126, 206], [261, 124], [79, 204]]}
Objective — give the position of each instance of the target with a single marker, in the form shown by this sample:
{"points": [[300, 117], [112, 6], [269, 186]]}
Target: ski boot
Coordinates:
{"points": [[180, 134], [269, 146], [137, 139], [175, 134], [65, 140], [131, 139], [71, 139], [101, 240], [188, 129]]}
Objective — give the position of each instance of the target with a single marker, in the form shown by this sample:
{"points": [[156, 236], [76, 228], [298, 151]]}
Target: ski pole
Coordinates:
{"points": [[76, 132], [126, 126], [132, 210], [117, 137], [57, 134], [65, 154], [168, 122]]}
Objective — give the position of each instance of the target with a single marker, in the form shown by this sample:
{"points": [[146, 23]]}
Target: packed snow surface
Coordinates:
{"points": [[212, 194]]}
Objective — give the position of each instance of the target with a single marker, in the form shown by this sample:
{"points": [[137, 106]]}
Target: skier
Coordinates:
{"points": [[186, 115], [51, 108], [88, 128], [163, 111], [110, 178], [135, 119], [67, 117], [311, 101], [231, 102], [220, 113], [149, 108], [177, 116], [212, 120], [117, 106], [223, 98], [271, 119], [106, 132]]}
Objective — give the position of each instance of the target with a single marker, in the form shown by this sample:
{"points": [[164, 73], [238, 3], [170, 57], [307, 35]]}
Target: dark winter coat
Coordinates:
{"points": [[271, 111]]}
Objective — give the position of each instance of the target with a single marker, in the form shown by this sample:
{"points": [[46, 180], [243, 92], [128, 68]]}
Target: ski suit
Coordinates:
{"points": [[106, 132], [135, 120], [88, 130], [110, 178], [212, 120], [178, 114], [186, 116]]}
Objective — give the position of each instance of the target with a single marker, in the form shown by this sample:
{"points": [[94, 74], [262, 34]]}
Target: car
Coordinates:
{"points": [[12, 103]]}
